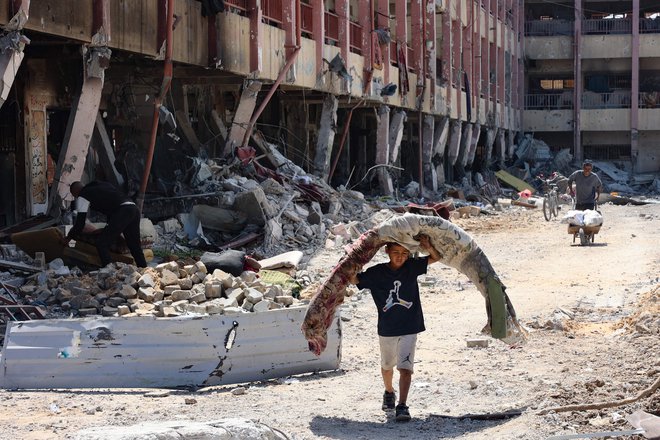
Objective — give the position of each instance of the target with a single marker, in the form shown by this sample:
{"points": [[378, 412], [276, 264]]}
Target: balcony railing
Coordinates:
{"points": [[548, 27], [549, 101], [649, 100], [616, 99], [649, 25], [607, 26]]}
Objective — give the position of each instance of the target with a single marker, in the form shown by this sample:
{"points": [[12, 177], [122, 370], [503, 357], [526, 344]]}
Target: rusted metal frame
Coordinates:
{"points": [[466, 58], [577, 73], [318, 26], [343, 35], [501, 62], [382, 22], [290, 18], [476, 57], [158, 99], [401, 10], [446, 54], [255, 14], [457, 43], [416, 23], [344, 134], [366, 21], [101, 21], [634, 99], [278, 81], [431, 51], [521, 57]]}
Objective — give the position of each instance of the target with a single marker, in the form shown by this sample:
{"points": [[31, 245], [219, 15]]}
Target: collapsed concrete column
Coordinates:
{"points": [[383, 150], [476, 133], [396, 134], [454, 141], [511, 146], [327, 131], [107, 154], [242, 116], [501, 144], [466, 141], [11, 49], [82, 120], [430, 177], [490, 140], [440, 135]]}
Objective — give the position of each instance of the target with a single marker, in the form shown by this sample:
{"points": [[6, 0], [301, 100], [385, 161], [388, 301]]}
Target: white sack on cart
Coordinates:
{"points": [[592, 218], [574, 218]]}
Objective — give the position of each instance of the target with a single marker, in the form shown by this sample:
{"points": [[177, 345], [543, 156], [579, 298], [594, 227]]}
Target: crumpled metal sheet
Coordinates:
{"points": [[139, 352]]}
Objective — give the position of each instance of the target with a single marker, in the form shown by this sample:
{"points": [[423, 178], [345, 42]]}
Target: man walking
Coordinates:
{"points": [[587, 187]]}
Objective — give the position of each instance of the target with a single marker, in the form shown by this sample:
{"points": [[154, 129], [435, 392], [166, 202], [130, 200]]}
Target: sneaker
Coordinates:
{"points": [[389, 401], [402, 413]]}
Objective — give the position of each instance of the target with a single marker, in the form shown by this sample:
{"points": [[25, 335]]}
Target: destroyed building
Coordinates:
{"points": [[351, 92], [143, 93]]}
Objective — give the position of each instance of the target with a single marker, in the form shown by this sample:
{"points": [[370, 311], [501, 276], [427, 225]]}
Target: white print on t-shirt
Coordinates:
{"points": [[399, 302]]}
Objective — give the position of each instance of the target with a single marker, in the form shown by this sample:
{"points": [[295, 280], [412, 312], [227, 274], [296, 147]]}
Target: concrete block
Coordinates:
{"points": [[200, 267], [185, 283], [253, 296], [261, 306], [181, 295], [146, 294], [197, 297], [146, 280], [213, 289], [285, 300], [478, 342], [123, 310], [167, 277]]}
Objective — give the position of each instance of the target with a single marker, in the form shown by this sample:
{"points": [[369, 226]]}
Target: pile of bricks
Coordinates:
{"points": [[169, 289]]}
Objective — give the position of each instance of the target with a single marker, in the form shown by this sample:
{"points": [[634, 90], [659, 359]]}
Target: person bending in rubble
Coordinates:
{"points": [[587, 187], [122, 215], [395, 292]]}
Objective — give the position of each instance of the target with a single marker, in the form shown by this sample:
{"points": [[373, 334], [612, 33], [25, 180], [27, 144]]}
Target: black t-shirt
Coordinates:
{"points": [[396, 294]]}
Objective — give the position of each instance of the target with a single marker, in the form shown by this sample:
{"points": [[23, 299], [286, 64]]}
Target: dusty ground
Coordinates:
{"points": [[593, 313]]}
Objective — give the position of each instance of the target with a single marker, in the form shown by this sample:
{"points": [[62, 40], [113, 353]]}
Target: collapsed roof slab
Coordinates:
{"points": [[146, 352]]}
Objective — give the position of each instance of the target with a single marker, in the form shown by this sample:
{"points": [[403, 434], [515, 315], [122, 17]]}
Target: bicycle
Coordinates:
{"points": [[550, 201]]}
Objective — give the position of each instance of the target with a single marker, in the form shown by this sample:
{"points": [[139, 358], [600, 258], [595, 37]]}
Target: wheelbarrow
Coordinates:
{"points": [[585, 233]]}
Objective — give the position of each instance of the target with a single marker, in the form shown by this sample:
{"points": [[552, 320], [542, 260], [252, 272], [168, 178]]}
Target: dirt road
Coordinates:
{"points": [[593, 313]]}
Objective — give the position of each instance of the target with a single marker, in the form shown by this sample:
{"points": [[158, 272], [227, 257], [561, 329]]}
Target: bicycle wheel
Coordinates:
{"points": [[555, 205], [547, 209]]}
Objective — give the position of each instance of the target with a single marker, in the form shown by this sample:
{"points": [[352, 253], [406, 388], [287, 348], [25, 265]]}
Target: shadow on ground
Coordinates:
{"points": [[431, 427]]}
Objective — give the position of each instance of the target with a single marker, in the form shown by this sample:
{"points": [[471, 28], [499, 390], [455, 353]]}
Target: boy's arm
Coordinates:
{"points": [[425, 243]]}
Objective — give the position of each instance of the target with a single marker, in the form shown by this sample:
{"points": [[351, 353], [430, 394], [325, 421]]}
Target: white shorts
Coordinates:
{"points": [[397, 351]]}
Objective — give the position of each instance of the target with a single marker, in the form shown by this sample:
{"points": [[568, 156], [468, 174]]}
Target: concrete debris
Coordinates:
{"points": [[168, 289]]}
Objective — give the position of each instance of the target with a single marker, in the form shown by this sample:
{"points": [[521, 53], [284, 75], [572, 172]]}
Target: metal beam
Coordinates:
{"points": [[255, 15], [428, 125]]}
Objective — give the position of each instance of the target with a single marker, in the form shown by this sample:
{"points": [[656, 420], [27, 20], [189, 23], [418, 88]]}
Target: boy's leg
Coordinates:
{"points": [[388, 376], [405, 379], [388, 359]]}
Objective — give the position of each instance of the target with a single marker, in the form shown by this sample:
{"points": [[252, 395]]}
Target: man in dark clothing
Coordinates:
{"points": [[122, 215], [587, 187]]}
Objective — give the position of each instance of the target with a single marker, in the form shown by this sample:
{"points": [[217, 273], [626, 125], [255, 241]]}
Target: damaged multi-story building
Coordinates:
{"points": [[380, 92]]}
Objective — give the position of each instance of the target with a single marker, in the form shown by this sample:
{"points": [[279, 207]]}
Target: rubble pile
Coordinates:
{"points": [[166, 290]]}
